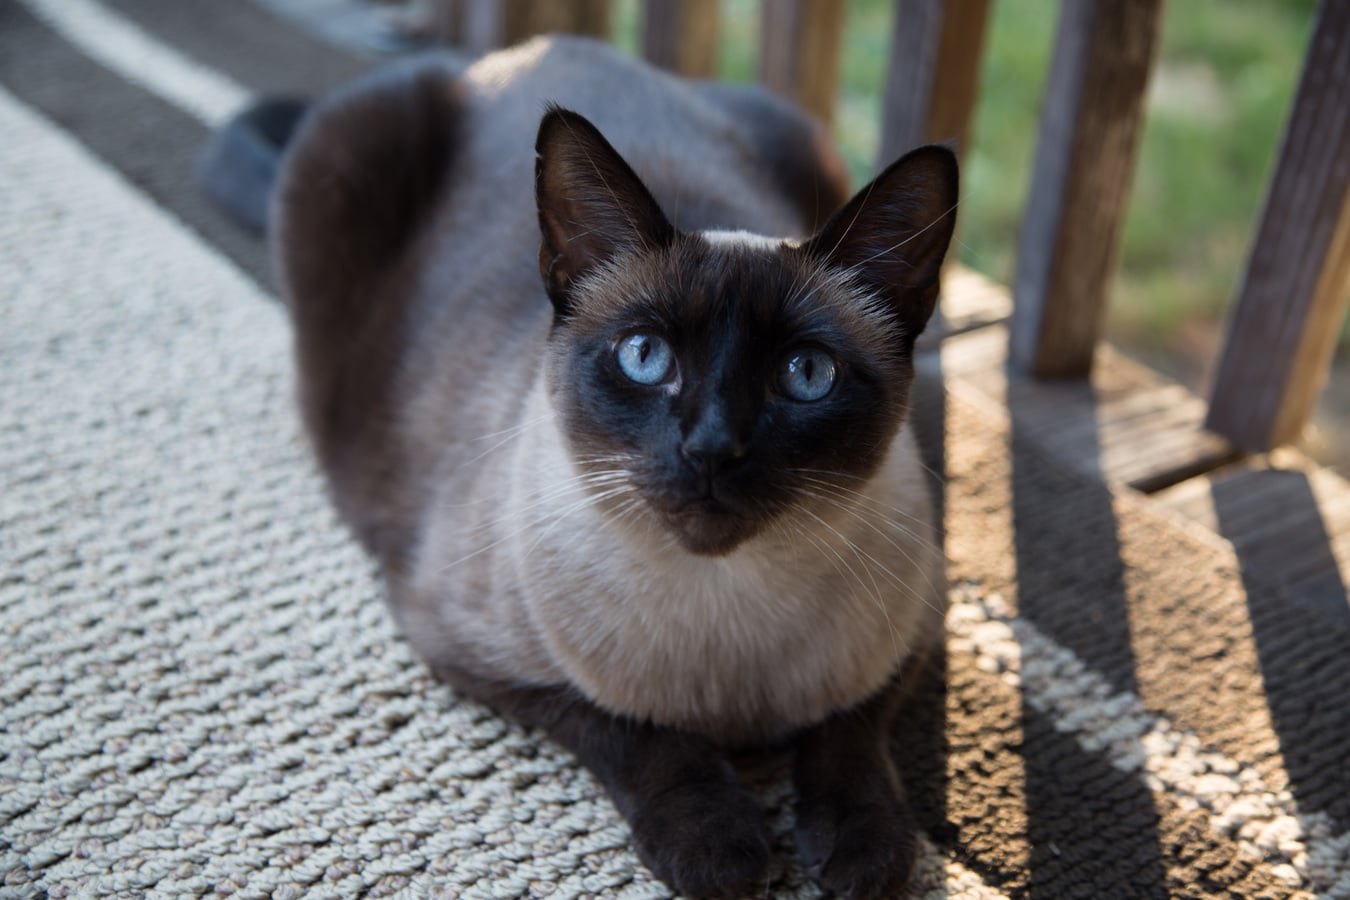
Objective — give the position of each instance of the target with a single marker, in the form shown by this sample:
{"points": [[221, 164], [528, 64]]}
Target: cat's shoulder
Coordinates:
{"points": [[362, 175]]}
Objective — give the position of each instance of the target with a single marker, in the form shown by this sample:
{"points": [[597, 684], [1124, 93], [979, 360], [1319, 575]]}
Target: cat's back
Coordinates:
{"points": [[704, 166], [697, 153]]}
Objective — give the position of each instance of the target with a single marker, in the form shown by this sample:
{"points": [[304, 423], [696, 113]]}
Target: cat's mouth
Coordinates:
{"points": [[709, 526], [708, 506]]}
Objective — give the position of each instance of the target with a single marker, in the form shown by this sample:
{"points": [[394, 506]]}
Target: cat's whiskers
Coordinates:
{"points": [[863, 558], [857, 513], [554, 492], [862, 204], [580, 482], [801, 287], [941, 477], [530, 524], [845, 570], [856, 267], [475, 527], [510, 434], [852, 502], [547, 529], [630, 509], [809, 475], [604, 458], [513, 430], [824, 489]]}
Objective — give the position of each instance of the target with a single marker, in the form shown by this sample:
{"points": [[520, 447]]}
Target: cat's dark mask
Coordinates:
{"points": [[722, 378]]}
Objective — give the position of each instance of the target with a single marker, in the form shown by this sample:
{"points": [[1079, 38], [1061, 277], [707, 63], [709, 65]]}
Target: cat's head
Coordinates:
{"points": [[717, 381]]}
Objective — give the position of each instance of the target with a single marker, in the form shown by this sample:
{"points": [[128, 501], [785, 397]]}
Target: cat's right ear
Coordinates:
{"points": [[593, 207], [892, 236]]}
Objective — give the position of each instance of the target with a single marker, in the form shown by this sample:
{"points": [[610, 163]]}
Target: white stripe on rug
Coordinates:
{"points": [[1302, 848], [117, 43], [939, 878]]}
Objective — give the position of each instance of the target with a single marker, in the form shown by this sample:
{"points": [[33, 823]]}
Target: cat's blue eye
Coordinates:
{"points": [[807, 375], [645, 358]]}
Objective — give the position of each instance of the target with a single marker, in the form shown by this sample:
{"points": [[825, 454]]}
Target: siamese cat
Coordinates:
{"points": [[611, 376]]}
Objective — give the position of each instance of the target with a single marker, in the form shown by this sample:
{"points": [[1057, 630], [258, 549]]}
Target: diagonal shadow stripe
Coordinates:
{"points": [[1196, 666], [1301, 637], [1055, 543], [920, 741]]}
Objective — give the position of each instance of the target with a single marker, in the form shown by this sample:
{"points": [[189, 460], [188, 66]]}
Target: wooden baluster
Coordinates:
{"points": [[681, 35], [799, 52], [443, 20], [1089, 134], [1292, 298], [481, 24], [933, 77], [489, 24]]}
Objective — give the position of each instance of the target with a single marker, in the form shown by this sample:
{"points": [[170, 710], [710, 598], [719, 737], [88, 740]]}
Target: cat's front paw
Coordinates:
{"points": [[704, 840], [858, 852]]}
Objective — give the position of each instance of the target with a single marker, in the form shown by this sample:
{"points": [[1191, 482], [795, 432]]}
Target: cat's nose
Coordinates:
{"points": [[715, 439], [708, 452]]}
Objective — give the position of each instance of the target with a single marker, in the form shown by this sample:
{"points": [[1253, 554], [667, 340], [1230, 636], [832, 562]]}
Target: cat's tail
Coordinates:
{"points": [[238, 169]]}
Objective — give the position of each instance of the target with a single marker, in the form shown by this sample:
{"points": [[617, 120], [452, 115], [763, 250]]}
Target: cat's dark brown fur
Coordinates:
{"points": [[735, 550]]}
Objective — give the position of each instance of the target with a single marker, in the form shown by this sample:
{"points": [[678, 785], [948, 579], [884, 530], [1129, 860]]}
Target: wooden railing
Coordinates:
{"points": [[1292, 298]]}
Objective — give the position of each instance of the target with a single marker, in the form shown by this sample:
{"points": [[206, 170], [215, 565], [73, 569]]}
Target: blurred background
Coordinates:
{"points": [[1219, 94]]}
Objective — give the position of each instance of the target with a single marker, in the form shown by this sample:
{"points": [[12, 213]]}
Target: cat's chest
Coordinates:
{"points": [[745, 647]]}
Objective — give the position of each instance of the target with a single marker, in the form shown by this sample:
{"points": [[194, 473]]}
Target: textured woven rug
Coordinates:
{"points": [[201, 693]]}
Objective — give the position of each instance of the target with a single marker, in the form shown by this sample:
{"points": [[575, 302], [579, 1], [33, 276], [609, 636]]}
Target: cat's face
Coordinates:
{"points": [[729, 383], [714, 383]]}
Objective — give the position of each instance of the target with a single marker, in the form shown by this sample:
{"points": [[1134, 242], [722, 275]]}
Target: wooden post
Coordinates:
{"points": [[799, 52], [681, 35], [1289, 307], [482, 25], [442, 19], [488, 24], [933, 77], [1084, 165]]}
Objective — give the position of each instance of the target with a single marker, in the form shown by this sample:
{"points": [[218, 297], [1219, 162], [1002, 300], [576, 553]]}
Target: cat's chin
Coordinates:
{"points": [[710, 529]]}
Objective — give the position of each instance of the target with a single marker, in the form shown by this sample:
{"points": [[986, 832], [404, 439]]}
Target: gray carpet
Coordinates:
{"points": [[201, 692]]}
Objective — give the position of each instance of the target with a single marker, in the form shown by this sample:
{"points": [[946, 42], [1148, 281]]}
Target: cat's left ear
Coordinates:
{"points": [[592, 205], [893, 234]]}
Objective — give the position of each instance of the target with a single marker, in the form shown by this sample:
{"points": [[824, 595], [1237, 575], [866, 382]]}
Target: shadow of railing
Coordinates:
{"points": [[1088, 822], [1297, 603], [921, 740]]}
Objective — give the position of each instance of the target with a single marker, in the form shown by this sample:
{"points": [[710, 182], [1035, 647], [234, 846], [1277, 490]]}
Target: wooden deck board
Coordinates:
{"points": [[1128, 424], [1286, 518], [969, 301]]}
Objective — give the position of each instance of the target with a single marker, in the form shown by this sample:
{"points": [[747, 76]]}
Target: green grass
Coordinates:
{"points": [[1221, 93], [1221, 88]]}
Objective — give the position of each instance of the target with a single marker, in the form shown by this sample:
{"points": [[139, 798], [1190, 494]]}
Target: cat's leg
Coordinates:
{"points": [[693, 825], [855, 831]]}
